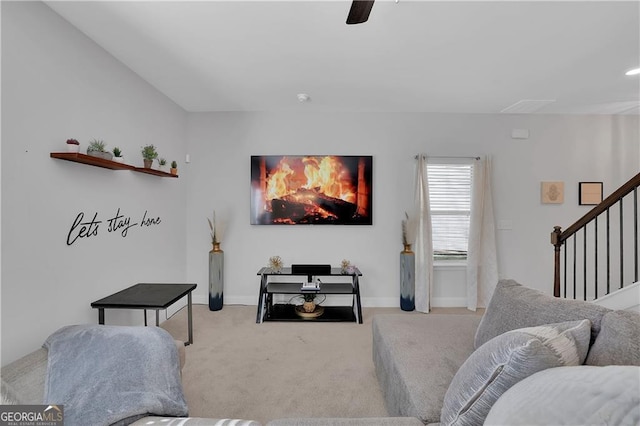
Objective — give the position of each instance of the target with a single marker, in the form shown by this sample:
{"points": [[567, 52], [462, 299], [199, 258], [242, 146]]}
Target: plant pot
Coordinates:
{"points": [[101, 154], [174, 171], [147, 163], [309, 306], [71, 147], [118, 159]]}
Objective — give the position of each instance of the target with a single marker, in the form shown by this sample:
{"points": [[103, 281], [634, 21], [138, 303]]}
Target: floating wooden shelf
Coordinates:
{"points": [[76, 157], [90, 160], [154, 172]]}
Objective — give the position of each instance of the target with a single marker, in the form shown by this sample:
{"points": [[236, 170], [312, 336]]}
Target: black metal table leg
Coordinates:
{"points": [[263, 286], [356, 285], [189, 319]]}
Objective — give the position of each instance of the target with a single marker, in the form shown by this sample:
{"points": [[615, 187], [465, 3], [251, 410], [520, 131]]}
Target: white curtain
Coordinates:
{"points": [[423, 245], [482, 263]]}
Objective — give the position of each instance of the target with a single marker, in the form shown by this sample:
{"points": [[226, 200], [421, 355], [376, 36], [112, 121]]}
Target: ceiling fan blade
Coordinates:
{"points": [[359, 12]]}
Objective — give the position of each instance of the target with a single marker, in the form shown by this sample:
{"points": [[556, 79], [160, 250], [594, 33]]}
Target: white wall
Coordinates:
{"points": [[57, 84], [560, 148]]}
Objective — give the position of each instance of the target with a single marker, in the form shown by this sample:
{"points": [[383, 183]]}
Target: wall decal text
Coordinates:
{"points": [[87, 226]]}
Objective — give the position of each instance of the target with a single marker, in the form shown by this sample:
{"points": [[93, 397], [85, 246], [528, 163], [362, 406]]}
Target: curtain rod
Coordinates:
{"points": [[446, 156]]}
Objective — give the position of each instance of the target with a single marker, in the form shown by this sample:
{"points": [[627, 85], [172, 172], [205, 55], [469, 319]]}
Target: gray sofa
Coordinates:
{"points": [[434, 367], [418, 358]]}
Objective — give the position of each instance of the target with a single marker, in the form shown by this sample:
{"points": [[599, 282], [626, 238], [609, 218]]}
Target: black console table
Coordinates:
{"points": [[268, 311], [145, 296]]}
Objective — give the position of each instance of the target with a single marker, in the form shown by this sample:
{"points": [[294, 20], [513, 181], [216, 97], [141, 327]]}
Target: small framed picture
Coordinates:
{"points": [[552, 192], [589, 193]]}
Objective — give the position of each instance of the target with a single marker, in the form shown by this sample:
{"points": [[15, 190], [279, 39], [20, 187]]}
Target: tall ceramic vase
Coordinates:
{"points": [[407, 279], [216, 277]]}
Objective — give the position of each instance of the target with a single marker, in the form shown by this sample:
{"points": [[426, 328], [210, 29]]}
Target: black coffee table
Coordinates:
{"points": [[145, 296]]}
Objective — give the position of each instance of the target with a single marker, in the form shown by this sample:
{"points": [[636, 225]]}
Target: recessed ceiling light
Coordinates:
{"points": [[634, 71], [303, 97]]}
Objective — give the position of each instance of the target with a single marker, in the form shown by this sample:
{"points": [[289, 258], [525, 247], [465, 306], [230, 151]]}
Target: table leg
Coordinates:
{"points": [[145, 317], [356, 286], [101, 316], [263, 286], [190, 319], [157, 317]]}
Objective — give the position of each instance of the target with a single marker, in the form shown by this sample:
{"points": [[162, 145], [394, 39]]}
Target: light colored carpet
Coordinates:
{"points": [[239, 369]]}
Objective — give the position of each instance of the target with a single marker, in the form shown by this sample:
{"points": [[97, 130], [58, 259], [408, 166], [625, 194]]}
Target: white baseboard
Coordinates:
{"points": [[449, 302]]}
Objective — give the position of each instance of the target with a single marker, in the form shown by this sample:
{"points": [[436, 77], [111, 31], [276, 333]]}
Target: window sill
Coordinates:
{"points": [[450, 264]]}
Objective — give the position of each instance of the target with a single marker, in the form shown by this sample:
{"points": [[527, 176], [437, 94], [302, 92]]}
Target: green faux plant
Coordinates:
{"points": [[309, 297], [174, 164], [96, 145], [162, 162], [117, 152], [149, 152]]}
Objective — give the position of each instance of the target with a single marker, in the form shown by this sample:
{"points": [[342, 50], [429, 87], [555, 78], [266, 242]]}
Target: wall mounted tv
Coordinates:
{"points": [[311, 190]]}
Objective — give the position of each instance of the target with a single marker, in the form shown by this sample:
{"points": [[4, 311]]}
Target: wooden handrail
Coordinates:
{"points": [[558, 237], [601, 208]]}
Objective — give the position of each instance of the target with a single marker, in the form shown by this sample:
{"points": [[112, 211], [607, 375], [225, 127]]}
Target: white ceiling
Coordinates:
{"points": [[411, 56]]}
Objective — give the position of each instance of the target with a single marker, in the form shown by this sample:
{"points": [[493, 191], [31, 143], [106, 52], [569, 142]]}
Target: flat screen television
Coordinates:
{"points": [[311, 190]]}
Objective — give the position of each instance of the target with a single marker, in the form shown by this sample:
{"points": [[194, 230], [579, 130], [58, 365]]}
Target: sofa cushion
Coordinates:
{"points": [[7, 395], [582, 395], [25, 377], [505, 360], [514, 306], [618, 342], [416, 356]]}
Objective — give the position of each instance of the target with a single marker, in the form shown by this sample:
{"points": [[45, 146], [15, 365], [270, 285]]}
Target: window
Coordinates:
{"points": [[450, 199]]}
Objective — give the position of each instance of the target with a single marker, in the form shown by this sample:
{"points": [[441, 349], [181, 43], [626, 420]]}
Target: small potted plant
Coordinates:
{"points": [[174, 167], [309, 304], [96, 148], [117, 155], [310, 307], [73, 145], [162, 163], [149, 154]]}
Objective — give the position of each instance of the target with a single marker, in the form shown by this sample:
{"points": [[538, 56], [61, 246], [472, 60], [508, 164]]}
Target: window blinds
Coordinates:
{"points": [[450, 199]]}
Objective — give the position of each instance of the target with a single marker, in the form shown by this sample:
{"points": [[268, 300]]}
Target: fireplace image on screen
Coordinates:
{"points": [[293, 190]]}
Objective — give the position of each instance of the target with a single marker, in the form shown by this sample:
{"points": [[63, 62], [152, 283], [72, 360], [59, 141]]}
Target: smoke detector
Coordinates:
{"points": [[303, 97]]}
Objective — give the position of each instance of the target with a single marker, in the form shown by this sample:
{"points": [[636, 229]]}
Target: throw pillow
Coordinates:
{"points": [[582, 395], [618, 342], [514, 306], [504, 361]]}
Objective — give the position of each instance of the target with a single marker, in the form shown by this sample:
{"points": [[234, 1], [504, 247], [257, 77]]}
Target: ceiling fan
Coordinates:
{"points": [[359, 12]]}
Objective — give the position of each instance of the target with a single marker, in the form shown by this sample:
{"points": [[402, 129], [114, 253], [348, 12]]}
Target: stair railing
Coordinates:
{"points": [[584, 262]]}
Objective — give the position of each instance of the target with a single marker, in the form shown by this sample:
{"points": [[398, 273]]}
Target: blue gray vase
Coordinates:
{"points": [[407, 279], [216, 278]]}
